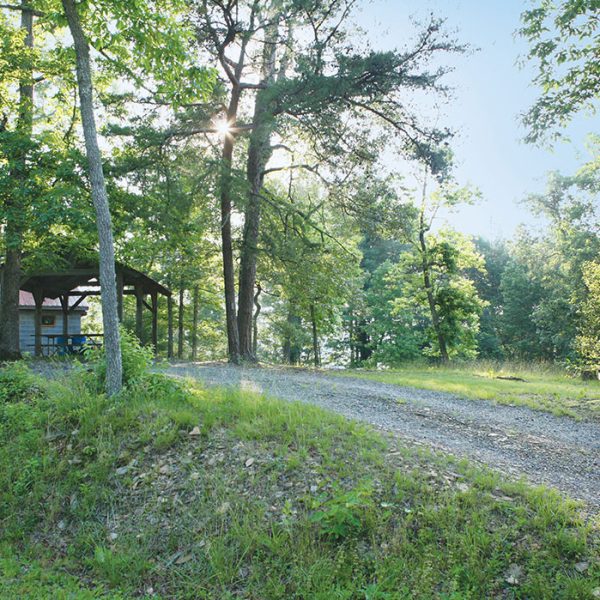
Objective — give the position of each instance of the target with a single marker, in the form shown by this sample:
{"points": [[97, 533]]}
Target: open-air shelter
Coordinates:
{"points": [[72, 284]]}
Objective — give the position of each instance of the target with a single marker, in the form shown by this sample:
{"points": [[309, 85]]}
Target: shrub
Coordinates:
{"points": [[136, 360], [17, 383]]}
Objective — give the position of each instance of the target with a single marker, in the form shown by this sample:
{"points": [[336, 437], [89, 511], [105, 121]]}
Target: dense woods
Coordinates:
{"points": [[244, 152]]}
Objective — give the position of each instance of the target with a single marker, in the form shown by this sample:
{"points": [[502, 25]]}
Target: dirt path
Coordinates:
{"points": [[556, 451]]}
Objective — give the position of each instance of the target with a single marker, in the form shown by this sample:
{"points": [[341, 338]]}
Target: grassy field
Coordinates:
{"points": [[173, 491], [543, 388]]}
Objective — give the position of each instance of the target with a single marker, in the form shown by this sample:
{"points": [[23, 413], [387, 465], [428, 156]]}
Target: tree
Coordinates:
{"points": [[441, 262], [108, 282], [323, 91], [15, 200], [564, 42], [588, 339]]}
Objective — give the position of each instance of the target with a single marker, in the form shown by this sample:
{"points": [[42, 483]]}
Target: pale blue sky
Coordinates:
{"points": [[490, 92]]}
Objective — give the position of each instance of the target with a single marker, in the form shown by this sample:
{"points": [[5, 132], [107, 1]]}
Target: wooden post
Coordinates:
{"points": [[38, 297], [139, 310], [120, 295], [169, 327], [64, 302], [154, 298]]}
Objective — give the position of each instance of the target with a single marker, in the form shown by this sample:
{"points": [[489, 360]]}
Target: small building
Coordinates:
{"points": [[51, 319], [52, 302]]}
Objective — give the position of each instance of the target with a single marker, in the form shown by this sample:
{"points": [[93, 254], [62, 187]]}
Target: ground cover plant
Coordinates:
{"points": [[542, 387], [173, 491]]}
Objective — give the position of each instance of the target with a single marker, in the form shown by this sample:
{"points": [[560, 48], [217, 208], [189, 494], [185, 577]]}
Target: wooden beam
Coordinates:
{"points": [[139, 317], [120, 295], [154, 299], [64, 302], [77, 302]]}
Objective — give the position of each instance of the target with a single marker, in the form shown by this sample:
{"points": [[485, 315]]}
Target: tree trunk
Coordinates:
{"points": [[169, 327], [255, 320], [259, 152], [233, 342], [315, 337], [180, 325], [291, 350], [435, 320], [14, 214], [196, 309], [108, 282]]}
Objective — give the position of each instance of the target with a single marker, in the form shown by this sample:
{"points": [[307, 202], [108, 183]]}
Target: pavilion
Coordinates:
{"points": [[80, 280]]}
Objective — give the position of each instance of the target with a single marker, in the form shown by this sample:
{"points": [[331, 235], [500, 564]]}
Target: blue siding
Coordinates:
{"points": [[27, 327]]}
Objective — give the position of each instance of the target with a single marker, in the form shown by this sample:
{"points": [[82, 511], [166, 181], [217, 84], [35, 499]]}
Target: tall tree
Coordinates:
{"points": [[15, 201], [108, 283]]}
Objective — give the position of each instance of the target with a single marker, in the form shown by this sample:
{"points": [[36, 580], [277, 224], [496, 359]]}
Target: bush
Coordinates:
{"points": [[17, 383], [136, 360]]}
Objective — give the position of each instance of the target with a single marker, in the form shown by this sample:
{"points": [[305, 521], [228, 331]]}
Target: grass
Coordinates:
{"points": [[544, 388], [174, 491]]}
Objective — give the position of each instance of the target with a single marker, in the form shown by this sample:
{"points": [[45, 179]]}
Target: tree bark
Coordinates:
{"points": [[170, 327], [15, 221], [233, 342], [196, 310], [259, 152], [257, 310], [108, 282], [180, 325]]}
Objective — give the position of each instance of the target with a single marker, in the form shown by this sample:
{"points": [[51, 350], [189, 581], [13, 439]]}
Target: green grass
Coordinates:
{"points": [[545, 388], [181, 492]]}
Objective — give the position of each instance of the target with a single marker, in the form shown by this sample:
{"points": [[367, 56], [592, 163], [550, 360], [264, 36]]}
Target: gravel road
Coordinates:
{"points": [[556, 451]]}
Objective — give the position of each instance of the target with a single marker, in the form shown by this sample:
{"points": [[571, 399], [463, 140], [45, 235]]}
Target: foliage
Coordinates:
{"points": [[17, 383], [344, 514], [136, 360], [588, 340], [564, 44]]}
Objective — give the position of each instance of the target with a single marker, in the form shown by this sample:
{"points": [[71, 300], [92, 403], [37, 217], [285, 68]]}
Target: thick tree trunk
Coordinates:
{"points": [[233, 342], [259, 152], [196, 310], [180, 325], [15, 222], [435, 319], [108, 282]]}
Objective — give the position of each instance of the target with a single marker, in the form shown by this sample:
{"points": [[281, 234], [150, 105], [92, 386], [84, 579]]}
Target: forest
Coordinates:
{"points": [[296, 195], [248, 170]]}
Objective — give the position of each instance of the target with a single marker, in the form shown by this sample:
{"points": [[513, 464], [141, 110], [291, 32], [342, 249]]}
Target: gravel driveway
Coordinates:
{"points": [[556, 451]]}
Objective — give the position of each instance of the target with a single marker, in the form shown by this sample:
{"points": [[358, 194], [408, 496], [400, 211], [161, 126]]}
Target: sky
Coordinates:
{"points": [[490, 91]]}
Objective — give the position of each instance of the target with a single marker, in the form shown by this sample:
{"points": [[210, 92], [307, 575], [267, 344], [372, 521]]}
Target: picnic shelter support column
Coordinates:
{"points": [[38, 298], [139, 313], [120, 286], [64, 303], [154, 299]]}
